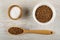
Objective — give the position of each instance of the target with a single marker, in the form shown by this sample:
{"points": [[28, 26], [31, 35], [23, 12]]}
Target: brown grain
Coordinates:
{"points": [[43, 14], [15, 30]]}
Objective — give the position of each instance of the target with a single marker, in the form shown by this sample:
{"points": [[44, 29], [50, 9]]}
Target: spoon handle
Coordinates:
{"points": [[46, 32]]}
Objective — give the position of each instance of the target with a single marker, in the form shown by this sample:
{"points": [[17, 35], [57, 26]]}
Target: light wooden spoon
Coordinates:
{"points": [[16, 30]]}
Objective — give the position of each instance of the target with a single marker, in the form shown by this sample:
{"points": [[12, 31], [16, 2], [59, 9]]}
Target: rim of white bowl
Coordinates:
{"points": [[50, 6]]}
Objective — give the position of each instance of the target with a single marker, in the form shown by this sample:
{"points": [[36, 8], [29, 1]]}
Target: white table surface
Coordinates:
{"points": [[27, 21]]}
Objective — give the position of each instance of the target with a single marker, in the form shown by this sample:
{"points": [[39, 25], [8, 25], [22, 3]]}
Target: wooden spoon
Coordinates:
{"points": [[16, 30]]}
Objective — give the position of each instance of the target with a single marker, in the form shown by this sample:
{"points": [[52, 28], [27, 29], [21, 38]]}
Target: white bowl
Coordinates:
{"points": [[49, 5]]}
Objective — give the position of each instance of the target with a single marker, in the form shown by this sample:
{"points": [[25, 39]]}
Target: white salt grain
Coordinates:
{"points": [[15, 12]]}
